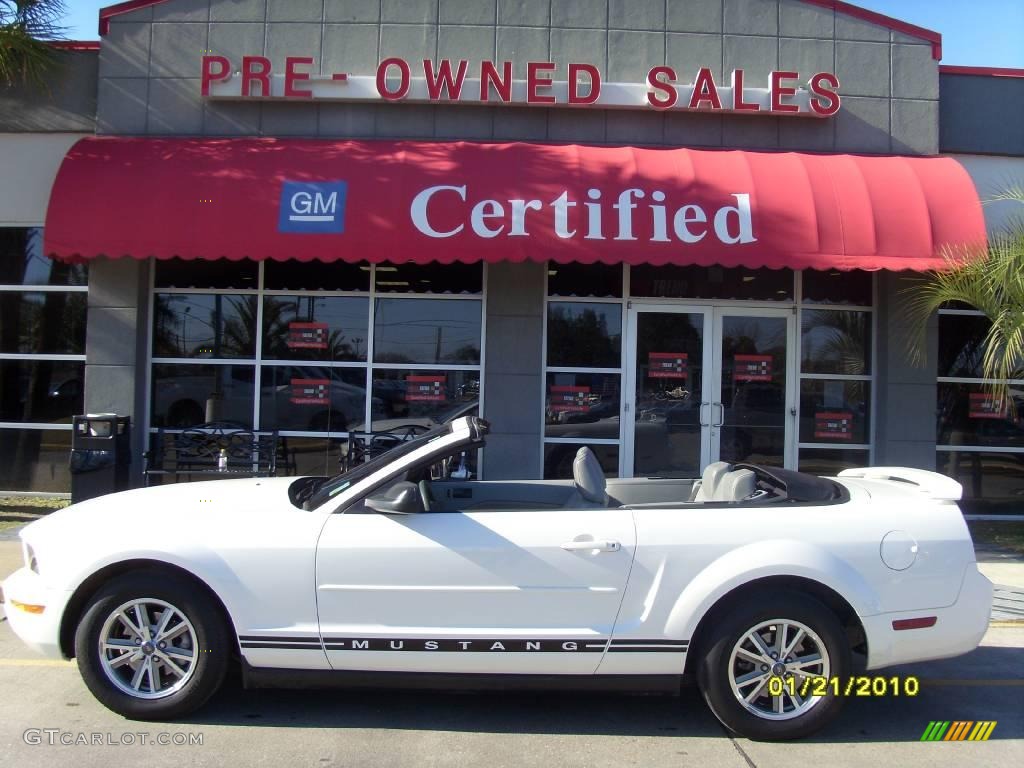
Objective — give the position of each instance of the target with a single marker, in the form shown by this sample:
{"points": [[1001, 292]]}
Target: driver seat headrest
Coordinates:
{"points": [[589, 477]]}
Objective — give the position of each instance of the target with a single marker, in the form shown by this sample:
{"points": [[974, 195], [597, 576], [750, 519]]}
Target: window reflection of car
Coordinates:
{"points": [[182, 401]]}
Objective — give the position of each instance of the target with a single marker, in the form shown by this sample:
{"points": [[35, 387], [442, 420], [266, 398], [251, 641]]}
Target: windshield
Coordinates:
{"points": [[333, 486]]}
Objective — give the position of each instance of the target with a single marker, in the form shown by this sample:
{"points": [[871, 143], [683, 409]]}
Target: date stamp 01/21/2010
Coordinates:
{"points": [[869, 686]]}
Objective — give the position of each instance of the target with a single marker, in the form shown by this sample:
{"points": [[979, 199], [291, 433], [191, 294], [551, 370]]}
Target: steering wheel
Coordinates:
{"points": [[426, 495]]}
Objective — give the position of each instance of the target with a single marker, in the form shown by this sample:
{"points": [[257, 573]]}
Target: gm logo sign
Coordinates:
{"points": [[312, 207]]}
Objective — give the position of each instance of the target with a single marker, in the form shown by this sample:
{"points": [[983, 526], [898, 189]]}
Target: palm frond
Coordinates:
{"points": [[25, 28], [990, 281]]}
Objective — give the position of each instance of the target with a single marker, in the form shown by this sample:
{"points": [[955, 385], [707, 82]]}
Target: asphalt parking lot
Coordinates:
{"points": [[43, 700]]}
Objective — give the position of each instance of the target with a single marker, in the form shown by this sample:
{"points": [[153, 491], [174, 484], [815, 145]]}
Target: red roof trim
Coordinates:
{"points": [[117, 10], [881, 19], [75, 45], [956, 69]]}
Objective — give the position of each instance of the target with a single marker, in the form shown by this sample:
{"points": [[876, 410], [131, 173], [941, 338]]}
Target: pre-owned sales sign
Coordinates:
{"points": [[578, 84]]}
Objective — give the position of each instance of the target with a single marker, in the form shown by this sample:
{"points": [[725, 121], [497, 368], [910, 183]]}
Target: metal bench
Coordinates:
{"points": [[218, 449]]}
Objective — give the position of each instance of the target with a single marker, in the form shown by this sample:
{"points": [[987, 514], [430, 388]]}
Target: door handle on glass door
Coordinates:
{"points": [[721, 411], [700, 415], [591, 545]]}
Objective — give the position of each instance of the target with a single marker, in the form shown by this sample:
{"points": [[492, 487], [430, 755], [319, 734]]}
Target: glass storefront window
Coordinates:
{"points": [[312, 455], [427, 331], [830, 462], [968, 414], [834, 286], [22, 261], [836, 341], [201, 325], [311, 398], [584, 334], [35, 460], [185, 395], [430, 278], [558, 459], [992, 482], [315, 328], [423, 398], [834, 411], [692, 282], [583, 406], [961, 345], [42, 323], [41, 391], [585, 280], [316, 276], [206, 273]]}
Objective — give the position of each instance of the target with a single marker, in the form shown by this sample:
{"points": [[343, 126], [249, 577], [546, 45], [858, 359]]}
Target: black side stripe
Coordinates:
{"points": [[475, 645], [293, 646]]}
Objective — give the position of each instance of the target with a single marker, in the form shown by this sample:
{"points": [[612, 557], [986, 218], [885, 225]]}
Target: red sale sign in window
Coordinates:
{"points": [[985, 405], [833, 425], [667, 365], [425, 388], [752, 368], [307, 335], [311, 391], [567, 398]]}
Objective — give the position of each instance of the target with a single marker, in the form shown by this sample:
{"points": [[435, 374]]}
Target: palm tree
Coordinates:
{"points": [[26, 26], [992, 282]]}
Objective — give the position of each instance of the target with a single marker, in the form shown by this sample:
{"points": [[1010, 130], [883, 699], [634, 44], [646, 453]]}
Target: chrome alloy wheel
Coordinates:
{"points": [[783, 649], [148, 648]]}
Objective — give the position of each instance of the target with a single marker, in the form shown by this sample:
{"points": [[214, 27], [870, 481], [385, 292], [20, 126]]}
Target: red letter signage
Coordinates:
{"points": [[704, 89], [443, 79], [534, 82], [291, 77], [574, 84], [222, 71], [382, 79], [666, 87]]}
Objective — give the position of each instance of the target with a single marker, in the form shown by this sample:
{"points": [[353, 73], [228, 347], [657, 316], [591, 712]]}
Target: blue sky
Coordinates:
{"points": [[974, 32]]}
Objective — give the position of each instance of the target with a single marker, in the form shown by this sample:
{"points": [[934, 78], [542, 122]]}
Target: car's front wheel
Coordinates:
{"points": [[150, 646], [767, 660]]}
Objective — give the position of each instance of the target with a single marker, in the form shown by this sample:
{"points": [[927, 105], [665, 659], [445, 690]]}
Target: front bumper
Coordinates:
{"points": [[958, 628], [39, 631]]}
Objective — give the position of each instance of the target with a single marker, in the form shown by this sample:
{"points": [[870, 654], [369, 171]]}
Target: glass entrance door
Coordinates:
{"points": [[707, 384]]}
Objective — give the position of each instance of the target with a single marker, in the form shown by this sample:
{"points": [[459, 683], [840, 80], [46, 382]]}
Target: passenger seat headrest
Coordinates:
{"points": [[737, 485], [589, 477]]}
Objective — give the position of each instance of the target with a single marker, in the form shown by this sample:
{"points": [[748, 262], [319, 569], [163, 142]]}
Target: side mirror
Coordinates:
{"points": [[400, 499]]}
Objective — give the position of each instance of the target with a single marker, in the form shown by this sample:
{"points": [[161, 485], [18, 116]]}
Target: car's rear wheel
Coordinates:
{"points": [[764, 657], [151, 646]]}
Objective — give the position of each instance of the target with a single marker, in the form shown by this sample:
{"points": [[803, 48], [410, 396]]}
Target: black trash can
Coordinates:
{"points": [[100, 455]]}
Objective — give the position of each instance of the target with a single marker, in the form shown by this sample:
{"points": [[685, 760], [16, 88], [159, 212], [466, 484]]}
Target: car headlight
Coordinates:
{"points": [[30, 558]]}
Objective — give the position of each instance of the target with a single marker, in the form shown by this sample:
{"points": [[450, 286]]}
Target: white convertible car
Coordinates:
{"points": [[752, 581]]}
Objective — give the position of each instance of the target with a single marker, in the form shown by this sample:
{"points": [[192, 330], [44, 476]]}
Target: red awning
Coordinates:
{"points": [[458, 201]]}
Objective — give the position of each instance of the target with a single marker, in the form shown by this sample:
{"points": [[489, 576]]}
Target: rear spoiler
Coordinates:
{"points": [[933, 484]]}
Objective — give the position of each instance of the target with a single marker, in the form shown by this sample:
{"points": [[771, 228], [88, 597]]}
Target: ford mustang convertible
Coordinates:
{"points": [[764, 586]]}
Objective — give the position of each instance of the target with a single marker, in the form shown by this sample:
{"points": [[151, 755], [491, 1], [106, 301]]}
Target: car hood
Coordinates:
{"points": [[181, 516]]}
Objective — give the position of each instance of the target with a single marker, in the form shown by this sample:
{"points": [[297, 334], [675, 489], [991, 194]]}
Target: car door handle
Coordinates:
{"points": [[591, 545]]}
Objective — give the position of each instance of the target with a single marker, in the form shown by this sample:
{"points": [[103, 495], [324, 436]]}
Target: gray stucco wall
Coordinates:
{"points": [[115, 345], [149, 85], [66, 103], [906, 392], [150, 68], [513, 400]]}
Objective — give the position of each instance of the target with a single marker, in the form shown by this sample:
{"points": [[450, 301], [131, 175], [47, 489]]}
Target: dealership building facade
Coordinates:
{"points": [[675, 232]]}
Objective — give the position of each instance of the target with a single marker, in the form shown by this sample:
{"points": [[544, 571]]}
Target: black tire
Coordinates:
{"points": [[715, 676], [211, 654]]}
